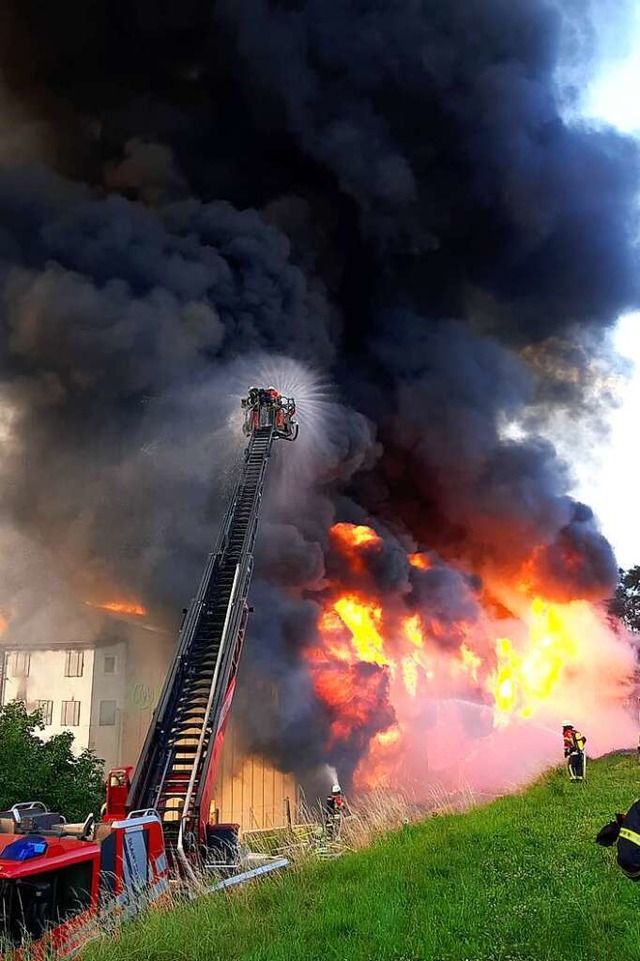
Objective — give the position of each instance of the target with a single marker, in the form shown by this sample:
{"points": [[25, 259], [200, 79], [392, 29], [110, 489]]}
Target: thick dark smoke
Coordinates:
{"points": [[385, 191]]}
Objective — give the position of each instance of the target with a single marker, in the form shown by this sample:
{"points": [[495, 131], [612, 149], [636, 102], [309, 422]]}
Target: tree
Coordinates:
{"points": [[625, 603], [35, 770]]}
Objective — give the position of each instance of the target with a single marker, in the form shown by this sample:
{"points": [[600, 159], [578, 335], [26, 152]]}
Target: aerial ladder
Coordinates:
{"points": [[178, 761]]}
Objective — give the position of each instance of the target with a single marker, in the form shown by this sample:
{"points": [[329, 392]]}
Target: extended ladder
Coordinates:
{"points": [[177, 763]]}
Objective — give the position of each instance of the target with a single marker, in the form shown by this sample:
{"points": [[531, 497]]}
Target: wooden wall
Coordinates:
{"points": [[249, 791]]}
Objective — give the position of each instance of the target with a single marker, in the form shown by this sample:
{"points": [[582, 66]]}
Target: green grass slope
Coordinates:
{"points": [[518, 880]]}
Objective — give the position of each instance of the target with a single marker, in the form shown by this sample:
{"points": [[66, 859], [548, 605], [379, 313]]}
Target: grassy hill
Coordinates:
{"points": [[518, 880]]}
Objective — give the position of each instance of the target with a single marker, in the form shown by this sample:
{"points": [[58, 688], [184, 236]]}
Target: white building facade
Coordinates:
{"points": [[105, 694], [78, 688]]}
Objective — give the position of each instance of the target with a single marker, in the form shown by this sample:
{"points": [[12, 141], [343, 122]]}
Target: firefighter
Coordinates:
{"points": [[335, 809], [250, 404], [574, 743], [335, 801], [625, 830]]}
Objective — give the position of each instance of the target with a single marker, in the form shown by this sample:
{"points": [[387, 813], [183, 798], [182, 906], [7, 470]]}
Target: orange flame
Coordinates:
{"points": [[378, 657], [363, 621], [413, 630], [119, 607], [349, 539], [391, 736], [353, 535], [470, 662], [525, 679], [354, 630], [421, 561]]}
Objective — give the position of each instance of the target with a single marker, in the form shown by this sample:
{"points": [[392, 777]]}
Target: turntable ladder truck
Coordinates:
{"points": [[61, 882], [178, 762]]}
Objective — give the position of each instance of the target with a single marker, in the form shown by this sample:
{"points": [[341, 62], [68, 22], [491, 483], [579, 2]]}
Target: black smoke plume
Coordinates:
{"points": [[386, 191]]}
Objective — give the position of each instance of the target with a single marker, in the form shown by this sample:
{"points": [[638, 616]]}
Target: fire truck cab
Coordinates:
{"points": [[56, 877]]}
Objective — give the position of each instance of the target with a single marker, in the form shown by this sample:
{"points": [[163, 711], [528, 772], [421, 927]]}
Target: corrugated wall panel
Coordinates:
{"points": [[249, 791]]}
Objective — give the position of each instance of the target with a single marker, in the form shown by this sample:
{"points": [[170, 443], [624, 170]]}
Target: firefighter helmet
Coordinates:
{"points": [[567, 724], [335, 789]]}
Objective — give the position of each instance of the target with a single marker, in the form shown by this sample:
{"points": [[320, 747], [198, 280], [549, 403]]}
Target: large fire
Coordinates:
{"points": [[388, 673]]}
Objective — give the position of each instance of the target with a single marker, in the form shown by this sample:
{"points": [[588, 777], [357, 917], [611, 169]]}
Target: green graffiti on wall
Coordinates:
{"points": [[142, 697]]}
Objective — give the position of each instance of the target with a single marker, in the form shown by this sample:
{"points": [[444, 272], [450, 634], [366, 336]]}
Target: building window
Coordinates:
{"points": [[109, 664], [107, 713], [46, 709], [21, 664], [70, 713], [74, 664]]}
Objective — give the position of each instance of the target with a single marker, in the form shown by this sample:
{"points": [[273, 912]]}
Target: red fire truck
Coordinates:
{"points": [[59, 881]]}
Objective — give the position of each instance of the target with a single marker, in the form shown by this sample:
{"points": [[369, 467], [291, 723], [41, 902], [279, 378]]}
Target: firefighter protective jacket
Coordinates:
{"points": [[629, 843], [574, 742]]}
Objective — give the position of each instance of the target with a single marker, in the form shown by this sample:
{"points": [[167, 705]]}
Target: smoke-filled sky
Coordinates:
{"points": [[396, 198], [607, 477]]}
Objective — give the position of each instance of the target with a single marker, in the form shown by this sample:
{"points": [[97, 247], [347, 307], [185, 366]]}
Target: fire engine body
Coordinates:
{"points": [[57, 880]]}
